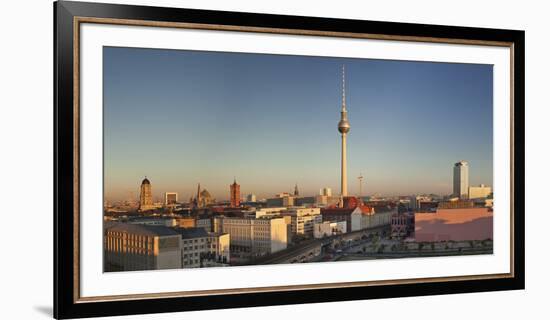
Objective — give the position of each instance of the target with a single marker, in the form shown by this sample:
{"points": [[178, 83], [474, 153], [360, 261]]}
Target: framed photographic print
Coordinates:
{"points": [[210, 159]]}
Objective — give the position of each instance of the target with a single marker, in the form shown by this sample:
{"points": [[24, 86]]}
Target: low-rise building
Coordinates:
{"points": [[153, 221], [194, 246], [454, 224], [220, 247], [326, 201], [301, 220], [305, 201], [200, 248], [482, 191], [327, 229], [268, 212], [282, 200], [204, 222], [338, 214], [365, 219], [186, 222], [455, 203], [132, 247], [254, 237]]}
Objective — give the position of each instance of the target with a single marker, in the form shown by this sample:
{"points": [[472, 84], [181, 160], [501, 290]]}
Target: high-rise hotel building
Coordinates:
{"points": [[460, 179], [146, 196]]}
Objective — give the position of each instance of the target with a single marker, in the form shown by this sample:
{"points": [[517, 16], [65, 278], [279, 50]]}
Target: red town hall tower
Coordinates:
{"points": [[235, 194]]}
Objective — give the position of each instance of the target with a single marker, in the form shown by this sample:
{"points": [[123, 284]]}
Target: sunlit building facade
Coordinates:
{"points": [[328, 228], [131, 247], [481, 191], [253, 236], [302, 220], [235, 194], [461, 224], [461, 179], [146, 196], [200, 248], [170, 198]]}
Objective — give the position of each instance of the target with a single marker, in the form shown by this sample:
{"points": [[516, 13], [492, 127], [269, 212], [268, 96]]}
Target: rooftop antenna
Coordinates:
{"points": [[360, 178], [343, 87]]}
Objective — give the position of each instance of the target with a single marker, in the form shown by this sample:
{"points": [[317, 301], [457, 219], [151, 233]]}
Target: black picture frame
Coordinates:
{"points": [[66, 304]]}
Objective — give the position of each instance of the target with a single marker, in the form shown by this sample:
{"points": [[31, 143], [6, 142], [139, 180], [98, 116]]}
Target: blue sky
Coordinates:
{"points": [[183, 117]]}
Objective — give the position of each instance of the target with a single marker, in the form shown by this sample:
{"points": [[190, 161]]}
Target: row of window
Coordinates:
{"points": [[196, 261]]}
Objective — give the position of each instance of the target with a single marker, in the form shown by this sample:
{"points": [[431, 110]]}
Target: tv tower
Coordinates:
{"points": [[343, 128]]}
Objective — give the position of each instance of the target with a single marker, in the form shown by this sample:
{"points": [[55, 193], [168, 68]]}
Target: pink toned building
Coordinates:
{"points": [[454, 224]]}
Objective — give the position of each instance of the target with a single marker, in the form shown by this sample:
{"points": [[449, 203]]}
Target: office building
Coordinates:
{"points": [[302, 220], [327, 201], [337, 215], [154, 221], [131, 247], [254, 237], [461, 179], [328, 228], [170, 198], [461, 224], [364, 217], [304, 201], [455, 204], [251, 198], [326, 192], [268, 212], [482, 191], [186, 222], [200, 248], [283, 199]]}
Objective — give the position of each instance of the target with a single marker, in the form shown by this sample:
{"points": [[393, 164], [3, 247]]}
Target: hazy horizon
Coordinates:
{"points": [[183, 117]]}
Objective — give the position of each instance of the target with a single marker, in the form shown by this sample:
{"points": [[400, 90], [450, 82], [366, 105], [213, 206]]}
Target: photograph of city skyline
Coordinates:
{"points": [[215, 159]]}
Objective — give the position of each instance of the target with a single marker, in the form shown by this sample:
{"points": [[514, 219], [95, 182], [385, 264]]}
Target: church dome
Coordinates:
{"points": [[205, 194]]}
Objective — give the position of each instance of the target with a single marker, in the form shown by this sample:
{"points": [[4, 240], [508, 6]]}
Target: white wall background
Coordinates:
{"points": [[26, 158]]}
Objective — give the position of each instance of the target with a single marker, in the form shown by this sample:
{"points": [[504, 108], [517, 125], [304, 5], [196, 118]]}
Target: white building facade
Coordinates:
{"points": [[253, 236], [302, 220], [482, 191], [461, 179], [329, 228], [361, 220]]}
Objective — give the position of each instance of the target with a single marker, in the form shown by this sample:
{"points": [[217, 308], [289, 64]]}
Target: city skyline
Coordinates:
{"points": [[184, 117]]}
